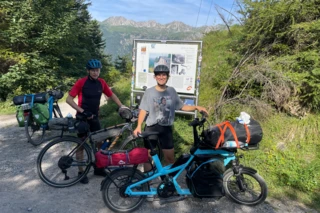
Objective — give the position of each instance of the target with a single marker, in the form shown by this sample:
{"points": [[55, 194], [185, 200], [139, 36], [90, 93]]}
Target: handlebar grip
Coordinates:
{"points": [[195, 122]]}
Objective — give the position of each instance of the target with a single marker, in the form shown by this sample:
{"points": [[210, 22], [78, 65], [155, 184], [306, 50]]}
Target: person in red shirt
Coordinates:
{"points": [[89, 90]]}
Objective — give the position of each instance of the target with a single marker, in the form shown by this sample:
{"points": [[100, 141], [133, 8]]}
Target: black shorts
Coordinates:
{"points": [[94, 125], [165, 137]]}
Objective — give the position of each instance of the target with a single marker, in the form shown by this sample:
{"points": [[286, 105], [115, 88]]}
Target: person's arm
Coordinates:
{"points": [[142, 115], [193, 108], [73, 104], [116, 100]]}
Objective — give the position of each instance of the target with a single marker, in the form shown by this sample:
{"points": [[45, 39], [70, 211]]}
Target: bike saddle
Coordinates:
{"points": [[147, 134]]}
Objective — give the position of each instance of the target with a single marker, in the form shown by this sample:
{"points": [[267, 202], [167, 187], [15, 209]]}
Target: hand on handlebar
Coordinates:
{"points": [[124, 106], [137, 131], [203, 111], [88, 114]]}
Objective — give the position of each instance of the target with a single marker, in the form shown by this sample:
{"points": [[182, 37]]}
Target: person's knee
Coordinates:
{"points": [[170, 159], [168, 156]]}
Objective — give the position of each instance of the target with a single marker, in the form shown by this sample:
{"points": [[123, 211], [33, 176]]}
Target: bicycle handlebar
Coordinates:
{"points": [[197, 122]]}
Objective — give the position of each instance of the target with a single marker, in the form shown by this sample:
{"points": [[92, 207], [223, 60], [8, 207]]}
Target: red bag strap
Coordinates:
{"points": [[233, 132], [248, 133], [221, 138], [127, 157], [226, 125]]}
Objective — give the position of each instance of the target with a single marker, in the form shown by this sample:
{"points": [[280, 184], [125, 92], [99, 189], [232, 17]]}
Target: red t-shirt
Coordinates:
{"points": [[89, 93]]}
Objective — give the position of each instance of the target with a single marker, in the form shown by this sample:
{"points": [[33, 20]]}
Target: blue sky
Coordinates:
{"points": [[192, 12]]}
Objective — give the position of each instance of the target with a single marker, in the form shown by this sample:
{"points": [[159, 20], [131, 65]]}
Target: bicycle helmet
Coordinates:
{"points": [[161, 69], [93, 64]]}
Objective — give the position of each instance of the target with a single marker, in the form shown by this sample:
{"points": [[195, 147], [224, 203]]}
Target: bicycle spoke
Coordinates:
{"points": [[58, 167]]}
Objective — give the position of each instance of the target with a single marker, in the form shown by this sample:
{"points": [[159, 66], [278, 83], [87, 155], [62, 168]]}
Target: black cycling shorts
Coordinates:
{"points": [[94, 125], [165, 136]]}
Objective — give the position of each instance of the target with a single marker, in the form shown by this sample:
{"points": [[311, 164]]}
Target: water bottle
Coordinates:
{"points": [[240, 120], [105, 144], [230, 144], [70, 123]]}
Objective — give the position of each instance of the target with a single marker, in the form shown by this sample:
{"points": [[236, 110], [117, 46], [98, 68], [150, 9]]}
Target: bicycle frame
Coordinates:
{"points": [[228, 157], [51, 102]]}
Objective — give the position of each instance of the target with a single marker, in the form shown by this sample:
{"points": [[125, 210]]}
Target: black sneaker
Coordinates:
{"points": [[84, 179], [100, 172]]}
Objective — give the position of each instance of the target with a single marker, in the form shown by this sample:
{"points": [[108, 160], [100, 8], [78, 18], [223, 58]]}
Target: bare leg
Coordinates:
{"points": [[168, 155], [79, 157], [147, 166]]}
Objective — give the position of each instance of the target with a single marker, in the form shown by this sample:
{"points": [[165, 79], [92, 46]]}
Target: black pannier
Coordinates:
{"points": [[38, 98], [205, 178], [247, 133]]}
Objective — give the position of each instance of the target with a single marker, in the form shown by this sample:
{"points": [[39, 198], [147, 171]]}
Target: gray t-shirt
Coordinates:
{"points": [[160, 106]]}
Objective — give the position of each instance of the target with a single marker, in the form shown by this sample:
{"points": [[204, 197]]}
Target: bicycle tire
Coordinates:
{"points": [[114, 186], [34, 132], [248, 195], [131, 142], [59, 170]]}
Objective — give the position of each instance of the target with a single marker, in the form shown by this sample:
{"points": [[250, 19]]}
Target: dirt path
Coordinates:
{"points": [[21, 190]]}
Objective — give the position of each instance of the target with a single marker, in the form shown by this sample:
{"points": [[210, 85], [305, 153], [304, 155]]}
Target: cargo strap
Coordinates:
{"points": [[223, 127], [248, 133], [226, 125]]}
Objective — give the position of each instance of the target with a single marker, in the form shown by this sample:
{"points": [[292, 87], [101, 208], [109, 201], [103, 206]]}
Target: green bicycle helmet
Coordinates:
{"points": [[93, 64]]}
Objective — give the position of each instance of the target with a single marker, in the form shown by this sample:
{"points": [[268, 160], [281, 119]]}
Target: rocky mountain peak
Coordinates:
{"points": [[121, 21]]}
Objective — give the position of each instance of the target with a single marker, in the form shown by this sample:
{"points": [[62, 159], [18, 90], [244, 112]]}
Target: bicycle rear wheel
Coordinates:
{"points": [[247, 188], [57, 164], [113, 190], [131, 142], [34, 132]]}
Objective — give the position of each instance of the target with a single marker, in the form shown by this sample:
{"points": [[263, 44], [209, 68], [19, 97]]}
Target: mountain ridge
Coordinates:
{"points": [[119, 33]]}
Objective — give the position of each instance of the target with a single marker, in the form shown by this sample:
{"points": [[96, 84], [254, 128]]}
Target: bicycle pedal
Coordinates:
{"points": [[171, 199]]}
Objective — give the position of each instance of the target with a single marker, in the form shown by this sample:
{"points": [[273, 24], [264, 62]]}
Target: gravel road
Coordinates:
{"points": [[21, 190]]}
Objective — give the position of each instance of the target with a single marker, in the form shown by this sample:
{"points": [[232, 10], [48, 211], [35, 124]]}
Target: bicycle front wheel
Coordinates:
{"points": [[34, 132], [114, 187], [247, 188], [131, 142], [61, 160]]}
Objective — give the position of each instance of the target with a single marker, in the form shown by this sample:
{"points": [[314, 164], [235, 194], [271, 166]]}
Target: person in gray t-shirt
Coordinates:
{"points": [[159, 104]]}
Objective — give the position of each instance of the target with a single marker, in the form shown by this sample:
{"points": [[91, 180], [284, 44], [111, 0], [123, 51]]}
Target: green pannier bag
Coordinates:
{"points": [[20, 116], [40, 113]]}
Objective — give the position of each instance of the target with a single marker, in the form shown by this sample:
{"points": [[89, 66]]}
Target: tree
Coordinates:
{"points": [[52, 41], [124, 65], [280, 58]]}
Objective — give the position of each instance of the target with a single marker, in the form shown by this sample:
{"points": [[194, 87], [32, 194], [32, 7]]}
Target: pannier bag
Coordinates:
{"points": [[205, 178], [20, 116], [217, 135], [126, 157], [38, 98], [104, 134], [40, 113], [58, 124]]}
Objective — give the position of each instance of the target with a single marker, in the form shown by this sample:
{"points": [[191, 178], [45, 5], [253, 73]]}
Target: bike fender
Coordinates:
{"points": [[110, 174], [248, 169]]}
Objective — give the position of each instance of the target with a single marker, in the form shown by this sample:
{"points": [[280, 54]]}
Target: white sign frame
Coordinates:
{"points": [[183, 58]]}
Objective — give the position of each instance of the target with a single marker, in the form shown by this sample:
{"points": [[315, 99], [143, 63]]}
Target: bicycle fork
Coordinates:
{"points": [[236, 167]]}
